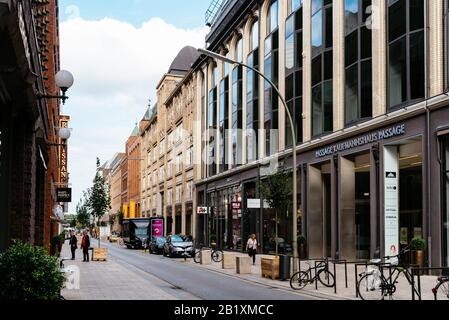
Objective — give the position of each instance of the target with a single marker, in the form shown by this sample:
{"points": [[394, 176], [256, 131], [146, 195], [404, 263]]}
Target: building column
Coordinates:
{"points": [[436, 48], [282, 113], [307, 72], [339, 64], [379, 34]]}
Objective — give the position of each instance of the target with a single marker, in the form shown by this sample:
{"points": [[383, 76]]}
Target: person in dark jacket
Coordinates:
{"points": [[73, 243], [85, 245]]}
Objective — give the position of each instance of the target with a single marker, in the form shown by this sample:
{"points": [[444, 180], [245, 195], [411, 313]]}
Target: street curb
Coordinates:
{"points": [[304, 292]]}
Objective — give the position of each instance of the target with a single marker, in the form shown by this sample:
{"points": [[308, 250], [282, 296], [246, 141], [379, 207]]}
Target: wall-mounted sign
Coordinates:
{"points": [[63, 174], [255, 204], [64, 195], [395, 131], [202, 210], [236, 205]]}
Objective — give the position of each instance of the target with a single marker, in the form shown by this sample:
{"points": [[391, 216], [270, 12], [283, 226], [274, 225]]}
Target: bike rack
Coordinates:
{"points": [[318, 261], [366, 264], [416, 271]]}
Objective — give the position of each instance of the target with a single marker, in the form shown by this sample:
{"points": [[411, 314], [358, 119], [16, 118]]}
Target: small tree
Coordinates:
{"points": [[82, 212], [99, 199], [276, 190]]}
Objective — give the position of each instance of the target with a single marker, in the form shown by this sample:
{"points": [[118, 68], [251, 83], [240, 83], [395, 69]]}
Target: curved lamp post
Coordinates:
{"points": [[64, 80], [292, 127]]}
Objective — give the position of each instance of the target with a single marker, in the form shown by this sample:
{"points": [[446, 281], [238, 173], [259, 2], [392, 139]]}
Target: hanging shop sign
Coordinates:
{"points": [[64, 195], [380, 135]]}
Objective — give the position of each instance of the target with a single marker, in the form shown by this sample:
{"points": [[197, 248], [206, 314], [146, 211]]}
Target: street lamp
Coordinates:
{"points": [[64, 80], [64, 134], [292, 127]]}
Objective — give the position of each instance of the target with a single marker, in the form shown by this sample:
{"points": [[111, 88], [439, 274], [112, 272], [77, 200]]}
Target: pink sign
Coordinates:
{"points": [[157, 228]]}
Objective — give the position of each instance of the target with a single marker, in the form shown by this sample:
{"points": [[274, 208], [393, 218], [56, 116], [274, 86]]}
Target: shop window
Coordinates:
{"points": [[322, 67], [406, 63], [293, 71]]}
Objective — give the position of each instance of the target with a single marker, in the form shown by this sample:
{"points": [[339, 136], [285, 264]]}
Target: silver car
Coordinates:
{"points": [[178, 246]]}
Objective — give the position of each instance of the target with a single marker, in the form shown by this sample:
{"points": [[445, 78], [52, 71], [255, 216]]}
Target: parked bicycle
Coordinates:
{"points": [[441, 290], [216, 255], [373, 285], [302, 278]]}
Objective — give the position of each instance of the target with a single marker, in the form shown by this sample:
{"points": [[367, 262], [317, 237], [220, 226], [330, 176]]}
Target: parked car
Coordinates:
{"points": [[113, 238], [157, 245], [178, 245]]}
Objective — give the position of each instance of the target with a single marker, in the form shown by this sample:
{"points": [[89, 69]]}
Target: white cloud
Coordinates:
{"points": [[116, 67]]}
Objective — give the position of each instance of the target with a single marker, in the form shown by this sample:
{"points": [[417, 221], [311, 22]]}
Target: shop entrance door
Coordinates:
{"points": [[319, 223]]}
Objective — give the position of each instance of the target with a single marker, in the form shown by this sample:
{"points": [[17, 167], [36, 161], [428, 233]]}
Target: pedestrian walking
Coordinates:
{"points": [[251, 247], [85, 245], [73, 243]]}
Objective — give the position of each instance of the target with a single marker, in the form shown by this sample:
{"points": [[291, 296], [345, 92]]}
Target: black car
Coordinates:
{"points": [[157, 245], [178, 246]]}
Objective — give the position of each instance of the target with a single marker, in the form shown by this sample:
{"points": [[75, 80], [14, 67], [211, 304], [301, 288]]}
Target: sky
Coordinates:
{"points": [[117, 50]]}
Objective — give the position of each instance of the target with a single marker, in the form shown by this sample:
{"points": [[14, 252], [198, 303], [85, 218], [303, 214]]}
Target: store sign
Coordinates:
{"points": [[63, 174], [255, 204], [236, 205], [391, 163], [23, 32], [64, 195], [202, 210], [380, 135]]}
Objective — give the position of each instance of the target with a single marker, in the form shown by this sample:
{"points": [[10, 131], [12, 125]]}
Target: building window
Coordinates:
{"points": [[212, 124], [178, 194], [169, 169], [271, 64], [293, 5], [252, 97], [189, 157], [170, 197], [406, 63], [155, 153], [224, 120], [154, 177], [358, 61], [161, 174], [322, 67], [162, 148], [190, 190], [237, 113], [178, 163], [445, 198], [293, 72]]}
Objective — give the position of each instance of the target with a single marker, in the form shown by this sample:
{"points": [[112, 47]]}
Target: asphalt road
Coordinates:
{"points": [[191, 280]]}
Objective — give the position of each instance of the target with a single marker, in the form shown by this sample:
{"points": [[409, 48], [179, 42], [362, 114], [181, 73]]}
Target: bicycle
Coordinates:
{"points": [[441, 290], [373, 285], [322, 274], [216, 255]]}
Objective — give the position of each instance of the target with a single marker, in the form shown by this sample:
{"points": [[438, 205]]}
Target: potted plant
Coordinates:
{"points": [[302, 243], [418, 245]]}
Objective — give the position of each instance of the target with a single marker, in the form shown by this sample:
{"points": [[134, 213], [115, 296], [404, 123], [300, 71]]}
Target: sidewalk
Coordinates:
{"points": [[403, 292], [113, 281]]}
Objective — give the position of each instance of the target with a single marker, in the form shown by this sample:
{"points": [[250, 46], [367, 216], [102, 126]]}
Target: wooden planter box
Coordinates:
{"points": [[270, 268], [100, 254]]}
